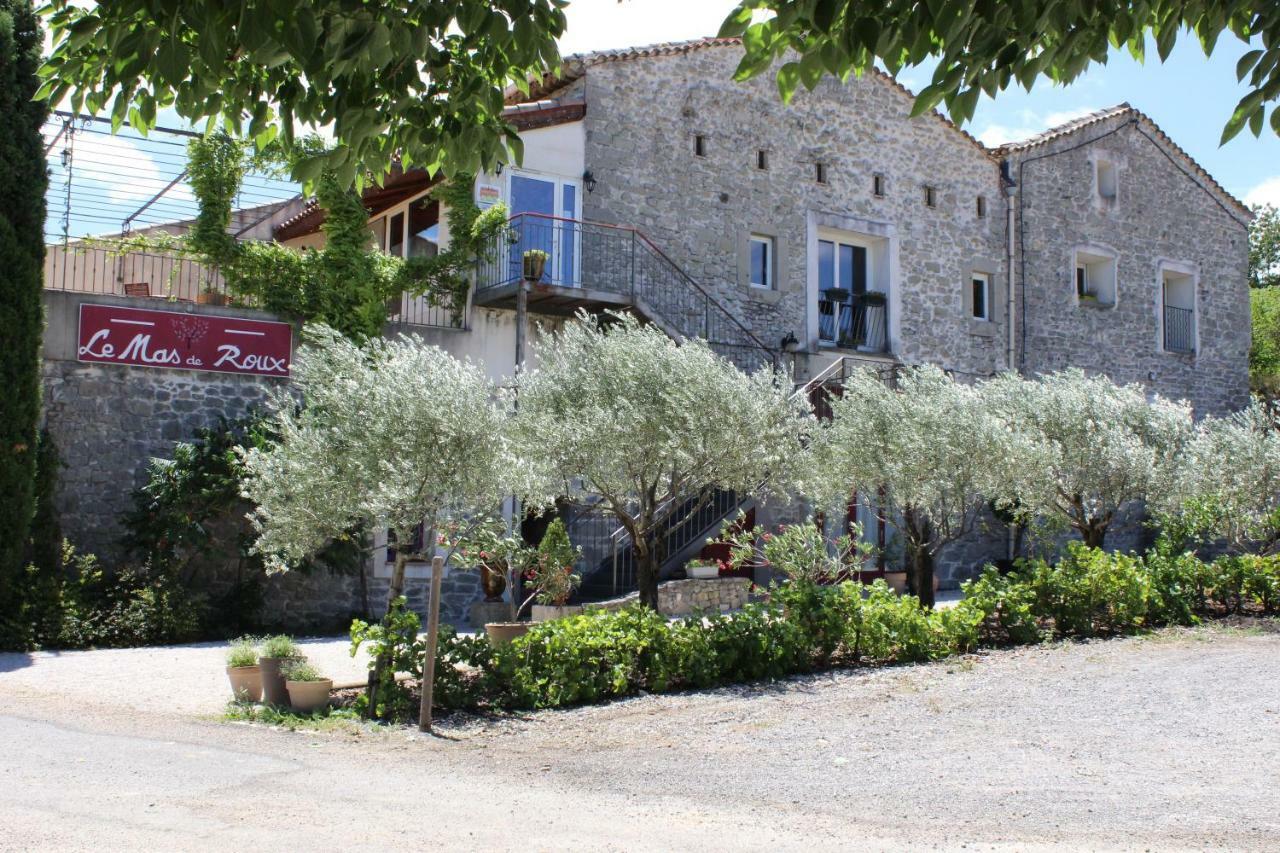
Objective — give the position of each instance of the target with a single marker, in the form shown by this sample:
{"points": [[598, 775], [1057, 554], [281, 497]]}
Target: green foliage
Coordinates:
{"points": [[299, 669], [1264, 353], [347, 283], [216, 165], [981, 48], [243, 651], [280, 646], [1090, 592], [23, 181], [395, 641], [552, 574], [420, 84], [1264, 247], [1006, 608]]}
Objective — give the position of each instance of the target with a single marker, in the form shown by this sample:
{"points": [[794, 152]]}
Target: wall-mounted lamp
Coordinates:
{"points": [[789, 343], [499, 171], [589, 181]]}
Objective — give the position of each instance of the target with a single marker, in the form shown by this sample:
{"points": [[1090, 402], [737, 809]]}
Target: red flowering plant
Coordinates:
{"points": [[801, 552], [489, 544], [552, 574]]}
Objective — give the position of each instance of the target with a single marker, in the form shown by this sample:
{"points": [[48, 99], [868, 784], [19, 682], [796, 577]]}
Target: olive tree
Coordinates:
{"points": [[1228, 488], [393, 434], [620, 414], [1088, 446], [928, 443]]}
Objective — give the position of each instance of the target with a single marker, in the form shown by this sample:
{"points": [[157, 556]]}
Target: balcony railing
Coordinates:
{"points": [[622, 266], [860, 323], [1179, 329]]}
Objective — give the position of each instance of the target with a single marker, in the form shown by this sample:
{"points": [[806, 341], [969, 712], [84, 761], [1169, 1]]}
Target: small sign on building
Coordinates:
{"points": [[113, 334], [487, 195]]}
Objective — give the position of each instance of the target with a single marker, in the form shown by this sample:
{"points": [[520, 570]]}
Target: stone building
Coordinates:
{"points": [[831, 231]]}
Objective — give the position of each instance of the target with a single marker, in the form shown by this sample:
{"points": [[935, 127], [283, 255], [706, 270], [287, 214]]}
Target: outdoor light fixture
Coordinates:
{"points": [[499, 171], [789, 343], [589, 180]]}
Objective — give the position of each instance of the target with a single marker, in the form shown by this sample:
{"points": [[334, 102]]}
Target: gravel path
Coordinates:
{"points": [[1166, 742], [173, 680]]}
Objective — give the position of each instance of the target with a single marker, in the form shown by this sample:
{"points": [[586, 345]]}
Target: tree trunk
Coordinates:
{"points": [[646, 575], [919, 534], [395, 590], [922, 576], [1094, 534]]}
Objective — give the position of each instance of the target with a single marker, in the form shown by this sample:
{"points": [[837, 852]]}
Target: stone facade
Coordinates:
{"points": [[641, 120], [683, 597], [1164, 215]]}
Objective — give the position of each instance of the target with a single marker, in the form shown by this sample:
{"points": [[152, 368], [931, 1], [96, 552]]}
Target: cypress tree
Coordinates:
{"points": [[23, 179]]}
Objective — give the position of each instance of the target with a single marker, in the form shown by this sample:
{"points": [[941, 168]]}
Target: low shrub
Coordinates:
{"points": [[242, 652], [280, 646]]}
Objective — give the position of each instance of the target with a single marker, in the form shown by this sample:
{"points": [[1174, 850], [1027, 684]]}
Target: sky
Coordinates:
{"points": [[1189, 96]]}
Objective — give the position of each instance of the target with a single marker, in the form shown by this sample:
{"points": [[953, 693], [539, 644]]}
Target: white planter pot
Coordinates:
{"points": [[547, 612], [703, 573]]}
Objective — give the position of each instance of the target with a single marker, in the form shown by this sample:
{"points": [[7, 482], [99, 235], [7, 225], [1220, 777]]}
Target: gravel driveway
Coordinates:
{"points": [[1165, 742]]}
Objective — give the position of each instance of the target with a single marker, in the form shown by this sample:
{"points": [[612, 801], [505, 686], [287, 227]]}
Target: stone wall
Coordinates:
{"points": [[683, 597], [642, 116], [1160, 214]]}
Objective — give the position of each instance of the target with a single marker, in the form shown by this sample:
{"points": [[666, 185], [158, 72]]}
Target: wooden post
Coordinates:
{"points": [[433, 634]]}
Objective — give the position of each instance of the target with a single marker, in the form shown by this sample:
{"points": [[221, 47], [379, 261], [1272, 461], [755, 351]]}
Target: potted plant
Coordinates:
{"points": [[836, 294], [276, 652], [243, 670], [535, 263], [308, 689], [489, 547], [703, 569], [209, 296], [552, 575]]}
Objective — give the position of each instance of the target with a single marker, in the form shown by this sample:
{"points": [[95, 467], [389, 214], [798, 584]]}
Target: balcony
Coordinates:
{"points": [[1179, 329], [857, 321], [599, 267]]}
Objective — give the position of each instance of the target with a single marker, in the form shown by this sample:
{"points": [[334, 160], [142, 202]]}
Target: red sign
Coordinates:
{"points": [[138, 336]]}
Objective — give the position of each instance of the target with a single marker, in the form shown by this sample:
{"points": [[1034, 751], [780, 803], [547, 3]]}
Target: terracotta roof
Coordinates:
{"points": [[398, 187], [1124, 110], [575, 66]]}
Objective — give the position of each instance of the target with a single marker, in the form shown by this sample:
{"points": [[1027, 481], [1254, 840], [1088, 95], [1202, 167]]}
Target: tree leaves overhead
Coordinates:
{"points": [[982, 46], [422, 80]]}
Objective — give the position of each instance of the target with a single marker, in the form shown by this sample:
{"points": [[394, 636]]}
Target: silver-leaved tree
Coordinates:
{"points": [[621, 415], [929, 444], [1089, 447], [393, 434]]}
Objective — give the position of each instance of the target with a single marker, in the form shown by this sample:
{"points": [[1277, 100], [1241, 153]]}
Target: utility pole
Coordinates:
{"points": [[433, 635]]}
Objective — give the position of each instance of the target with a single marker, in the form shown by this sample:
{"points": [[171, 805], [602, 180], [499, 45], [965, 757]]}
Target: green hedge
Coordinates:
{"points": [[804, 627]]}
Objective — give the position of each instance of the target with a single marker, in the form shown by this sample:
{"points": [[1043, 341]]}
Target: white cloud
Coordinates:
{"points": [[139, 175], [1029, 123], [1266, 192]]}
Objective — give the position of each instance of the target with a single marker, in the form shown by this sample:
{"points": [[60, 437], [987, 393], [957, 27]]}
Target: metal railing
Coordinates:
{"points": [[861, 324], [107, 268], [1179, 329], [622, 262]]}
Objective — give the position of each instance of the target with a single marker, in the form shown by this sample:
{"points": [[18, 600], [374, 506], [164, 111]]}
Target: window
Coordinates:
{"points": [[395, 236], [1177, 311], [1095, 277], [761, 261], [843, 271], [699, 145], [1106, 180], [981, 292], [930, 196], [877, 186], [982, 207], [820, 172], [762, 160]]}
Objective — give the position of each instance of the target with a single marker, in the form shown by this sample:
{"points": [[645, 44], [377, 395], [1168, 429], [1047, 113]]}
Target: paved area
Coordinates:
{"points": [[1166, 742]]}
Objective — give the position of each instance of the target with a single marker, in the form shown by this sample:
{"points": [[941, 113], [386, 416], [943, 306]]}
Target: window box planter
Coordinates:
{"points": [[703, 571], [836, 294], [535, 264]]}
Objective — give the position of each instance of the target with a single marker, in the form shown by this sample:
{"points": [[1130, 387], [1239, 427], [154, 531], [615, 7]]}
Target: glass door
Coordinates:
{"points": [[549, 223], [842, 278]]}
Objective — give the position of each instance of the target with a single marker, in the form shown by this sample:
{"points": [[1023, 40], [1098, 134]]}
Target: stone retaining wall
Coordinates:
{"points": [[683, 597]]}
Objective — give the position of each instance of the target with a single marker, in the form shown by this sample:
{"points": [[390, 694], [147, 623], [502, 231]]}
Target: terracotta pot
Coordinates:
{"points": [[493, 580], [534, 266], [246, 683], [501, 633], [547, 612], [307, 697], [897, 581], [206, 298], [274, 691]]}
